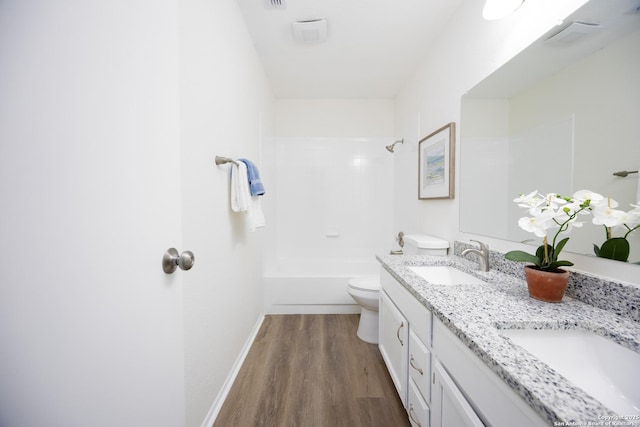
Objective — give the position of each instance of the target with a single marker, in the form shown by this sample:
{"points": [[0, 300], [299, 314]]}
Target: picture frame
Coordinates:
{"points": [[436, 164]]}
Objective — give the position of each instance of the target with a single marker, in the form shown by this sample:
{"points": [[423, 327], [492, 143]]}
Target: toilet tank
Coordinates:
{"points": [[423, 244]]}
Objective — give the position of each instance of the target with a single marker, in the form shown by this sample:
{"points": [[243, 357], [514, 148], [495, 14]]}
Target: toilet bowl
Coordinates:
{"points": [[365, 291]]}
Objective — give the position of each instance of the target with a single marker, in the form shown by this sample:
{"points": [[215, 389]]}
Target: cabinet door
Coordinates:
{"points": [[449, 407], [394, 343]]}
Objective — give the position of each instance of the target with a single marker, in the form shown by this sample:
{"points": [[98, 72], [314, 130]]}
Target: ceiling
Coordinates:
{"points": [[372, 48]]}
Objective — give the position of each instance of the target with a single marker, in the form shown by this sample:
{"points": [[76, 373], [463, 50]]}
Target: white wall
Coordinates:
{"points": [[90, 327], [226, 108]]}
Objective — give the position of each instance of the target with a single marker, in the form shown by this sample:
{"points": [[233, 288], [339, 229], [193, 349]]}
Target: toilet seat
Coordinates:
{"points": [[367, 283]]}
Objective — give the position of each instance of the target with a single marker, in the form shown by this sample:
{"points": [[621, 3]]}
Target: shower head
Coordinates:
{"points": [[390, 147]]}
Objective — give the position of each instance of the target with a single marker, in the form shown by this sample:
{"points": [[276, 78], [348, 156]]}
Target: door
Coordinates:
{"points": [[90, 326]]}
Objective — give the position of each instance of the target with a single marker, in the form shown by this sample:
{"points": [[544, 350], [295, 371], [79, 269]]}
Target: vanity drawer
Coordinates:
{"points": [[417, 408], [420, 365]]}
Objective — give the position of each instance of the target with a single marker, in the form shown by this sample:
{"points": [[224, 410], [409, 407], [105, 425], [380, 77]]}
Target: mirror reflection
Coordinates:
{"points": [[562, 116]]}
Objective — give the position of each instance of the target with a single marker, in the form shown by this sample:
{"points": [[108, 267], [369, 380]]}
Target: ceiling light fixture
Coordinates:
{"points": [[497, 9]]}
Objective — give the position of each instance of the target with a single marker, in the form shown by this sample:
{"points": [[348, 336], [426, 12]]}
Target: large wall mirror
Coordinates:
{"points": [[561, 116]]}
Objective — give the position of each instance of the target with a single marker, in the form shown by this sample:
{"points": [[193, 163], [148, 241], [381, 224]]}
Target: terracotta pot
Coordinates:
{"points": [[546, 285]]}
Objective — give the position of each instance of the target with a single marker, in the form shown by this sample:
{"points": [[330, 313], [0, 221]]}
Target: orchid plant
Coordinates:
{"points": [[551, 213], [605, 214]]}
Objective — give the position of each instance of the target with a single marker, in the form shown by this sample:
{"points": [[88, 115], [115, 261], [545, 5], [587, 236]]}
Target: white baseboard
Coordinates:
{"points": [[226, 387]]}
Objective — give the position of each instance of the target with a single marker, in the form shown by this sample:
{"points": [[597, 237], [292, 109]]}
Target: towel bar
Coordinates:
{"points": [[223, 160], [624, 173]]}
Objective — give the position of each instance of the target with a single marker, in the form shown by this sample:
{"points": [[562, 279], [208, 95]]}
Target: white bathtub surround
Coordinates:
{"points": [[331, 203], [314, 286]]}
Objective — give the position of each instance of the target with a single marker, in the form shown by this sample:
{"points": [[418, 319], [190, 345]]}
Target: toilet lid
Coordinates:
{"points": [[367, 283]]}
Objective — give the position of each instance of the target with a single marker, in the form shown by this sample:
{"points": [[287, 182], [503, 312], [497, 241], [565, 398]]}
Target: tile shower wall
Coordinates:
{"points": [[330, 198]]}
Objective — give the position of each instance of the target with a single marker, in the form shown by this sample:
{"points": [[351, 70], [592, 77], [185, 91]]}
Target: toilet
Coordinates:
{"points": [[365, 290], [423, 244]]}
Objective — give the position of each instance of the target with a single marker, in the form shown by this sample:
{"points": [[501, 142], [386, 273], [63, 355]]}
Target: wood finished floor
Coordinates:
{"points": [[312, 370]]}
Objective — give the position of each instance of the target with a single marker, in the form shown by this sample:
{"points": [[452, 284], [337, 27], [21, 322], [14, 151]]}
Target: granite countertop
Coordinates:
{"points": [[476, 313]]}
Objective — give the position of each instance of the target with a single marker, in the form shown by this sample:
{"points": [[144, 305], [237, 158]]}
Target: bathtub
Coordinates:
{"points": [[303, 286]]}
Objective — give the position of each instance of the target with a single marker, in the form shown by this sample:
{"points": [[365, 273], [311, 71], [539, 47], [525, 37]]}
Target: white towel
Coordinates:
{"points": [[241, 199], [240, 195], [256, 216]]}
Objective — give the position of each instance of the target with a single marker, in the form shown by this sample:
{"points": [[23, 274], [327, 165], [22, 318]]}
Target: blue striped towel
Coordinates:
{"points": [[256, 188]]}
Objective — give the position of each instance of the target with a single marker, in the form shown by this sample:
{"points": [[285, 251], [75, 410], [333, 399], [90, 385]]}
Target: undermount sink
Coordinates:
{"points": [[445, 275], [605, 370]]}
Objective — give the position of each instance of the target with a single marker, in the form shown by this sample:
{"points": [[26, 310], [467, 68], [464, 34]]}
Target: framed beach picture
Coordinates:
{"points": [[436, 164]]}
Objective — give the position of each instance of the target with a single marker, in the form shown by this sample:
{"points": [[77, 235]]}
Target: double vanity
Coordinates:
{"points": [[471, 348]]}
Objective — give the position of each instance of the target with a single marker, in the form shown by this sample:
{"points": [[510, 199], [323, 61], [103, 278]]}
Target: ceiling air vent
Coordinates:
{"points": [[310, 31], [275, 4], [573, 32]]}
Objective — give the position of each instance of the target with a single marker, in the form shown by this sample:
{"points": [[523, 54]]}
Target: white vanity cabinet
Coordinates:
{"points": [[441, 382], [404, 342]]}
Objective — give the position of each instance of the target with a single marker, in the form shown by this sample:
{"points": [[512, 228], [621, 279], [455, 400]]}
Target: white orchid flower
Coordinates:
{"points": [[532, 225], [634, 214], [609, 217], [529, 201], [584, 195], [538, 224]]}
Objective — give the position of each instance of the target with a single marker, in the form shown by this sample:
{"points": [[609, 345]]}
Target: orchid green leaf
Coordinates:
{"points": [[522, 256]]}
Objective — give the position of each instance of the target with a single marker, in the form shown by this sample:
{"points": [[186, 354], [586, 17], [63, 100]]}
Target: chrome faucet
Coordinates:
{"points": [[483, 255]]}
